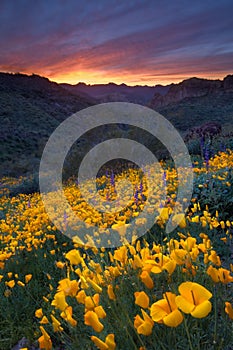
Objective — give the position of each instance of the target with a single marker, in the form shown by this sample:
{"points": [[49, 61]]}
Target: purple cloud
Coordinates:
{"points": [[137, 41]]}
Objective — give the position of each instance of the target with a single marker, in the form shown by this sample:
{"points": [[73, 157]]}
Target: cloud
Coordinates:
{"points": [[116, 41]]}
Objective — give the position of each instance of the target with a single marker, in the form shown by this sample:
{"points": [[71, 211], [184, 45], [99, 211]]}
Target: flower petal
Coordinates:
{"points": [[173, 319], [202, 310], [184, 304], [185, 290], [158, 310], [200, 293]]}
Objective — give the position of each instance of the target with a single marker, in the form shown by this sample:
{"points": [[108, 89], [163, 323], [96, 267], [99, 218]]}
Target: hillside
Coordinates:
{"points": [[194, 111], [31, 107], [193, 87]]}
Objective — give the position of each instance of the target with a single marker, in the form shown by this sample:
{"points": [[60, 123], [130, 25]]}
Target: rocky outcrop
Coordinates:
{"points": [[194, 87], [228, 82]]}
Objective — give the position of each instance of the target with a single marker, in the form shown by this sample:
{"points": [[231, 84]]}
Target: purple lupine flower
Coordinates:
{"points": [[212, 153], [141, 187], [65, 216], [207, 157], [136, 195], [29, 204], [164, 179], [202, 144], [112, 179]]}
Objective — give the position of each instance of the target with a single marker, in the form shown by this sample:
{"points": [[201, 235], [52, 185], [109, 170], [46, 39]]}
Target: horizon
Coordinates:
{"points": [[111, 82], [136, 43]]}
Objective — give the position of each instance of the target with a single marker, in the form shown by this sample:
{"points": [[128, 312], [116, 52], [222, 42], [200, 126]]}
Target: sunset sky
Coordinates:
{"points": [[134, 42]]}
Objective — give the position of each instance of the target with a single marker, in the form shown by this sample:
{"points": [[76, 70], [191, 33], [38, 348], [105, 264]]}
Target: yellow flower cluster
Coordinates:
{"points": [[93, 279]]}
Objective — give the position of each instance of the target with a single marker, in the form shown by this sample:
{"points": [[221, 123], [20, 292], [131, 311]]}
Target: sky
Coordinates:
{"points": [[137, 42]]}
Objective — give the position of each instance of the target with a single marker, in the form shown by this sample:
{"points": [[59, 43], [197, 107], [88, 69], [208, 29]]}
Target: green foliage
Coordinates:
{"points": [[213, 192]]}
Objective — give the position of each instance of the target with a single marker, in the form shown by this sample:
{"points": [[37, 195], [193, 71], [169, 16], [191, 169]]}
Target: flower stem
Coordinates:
{"points": [[215, 314], [188, 335]]}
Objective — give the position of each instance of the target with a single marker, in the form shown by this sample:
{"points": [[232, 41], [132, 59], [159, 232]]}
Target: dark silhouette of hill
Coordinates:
{"points": [[196, 101], [31, 107], [121, 93]]}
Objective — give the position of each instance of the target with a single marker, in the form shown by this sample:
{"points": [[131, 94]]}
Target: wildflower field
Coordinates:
{"points": [[158, 291]]}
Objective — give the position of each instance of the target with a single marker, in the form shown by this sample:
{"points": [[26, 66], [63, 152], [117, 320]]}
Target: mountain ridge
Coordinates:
{"points": [[112, 92], [152, 96], [31, 107], [192, 87]]}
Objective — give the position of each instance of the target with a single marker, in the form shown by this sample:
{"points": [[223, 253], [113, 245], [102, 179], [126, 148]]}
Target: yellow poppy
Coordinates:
{"points": [[81, 296], [10, 284], [44, 320], [179, 219], [219, 275], [56, 324], [94, 285], [74, 257], [92, 319], [143, 325], [59, 301], [229, 309], [68, 287], [194, 299], [111, 293], [99, 310], [141, 299], [39, 313], [67, 315], [45, 340], [28, 278], [147, 280], [166, 311], [99, 343], [110, 341]]}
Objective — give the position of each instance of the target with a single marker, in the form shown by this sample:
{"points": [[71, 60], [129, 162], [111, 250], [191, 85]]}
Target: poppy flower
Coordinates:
{"points": [[147, 280], [74, 257], [68, 287], [28, 278], [219, 275], [229, 309], [56, 324], [111, 293], [67, 315], [99, 343], [141, 299], [143, 325], [166, 311], [110, 341], [194, 299], [59, 301], [45, 340], [92, 319]]}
